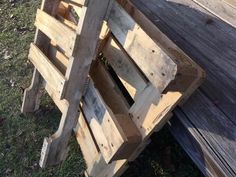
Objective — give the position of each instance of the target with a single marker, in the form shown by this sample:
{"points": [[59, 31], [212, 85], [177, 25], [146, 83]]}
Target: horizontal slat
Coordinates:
{"points": [[62, 35], [158, 67], [126, 70], [62, 104], [49, 72]]}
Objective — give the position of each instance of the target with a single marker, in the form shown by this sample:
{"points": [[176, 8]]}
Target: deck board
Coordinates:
{"points": [[210, 112]]}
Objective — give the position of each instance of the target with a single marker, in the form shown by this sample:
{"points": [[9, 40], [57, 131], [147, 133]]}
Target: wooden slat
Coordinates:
{"points": [[196, 147], [62, 104], [96, 165], [86, 141], [142, 49], [62, 35], [66, 22], [103, 123], [151, 115], [224, 10], [58, 58], [48, 71], [115, 100], [215, 130], [129, 75], [115, 133]]}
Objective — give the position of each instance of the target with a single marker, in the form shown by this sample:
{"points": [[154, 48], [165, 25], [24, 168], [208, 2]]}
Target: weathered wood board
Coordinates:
{"points": [[108, 117]]}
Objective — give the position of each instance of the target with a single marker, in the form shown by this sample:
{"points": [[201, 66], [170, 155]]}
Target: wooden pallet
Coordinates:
{"points": [[104, 63]]}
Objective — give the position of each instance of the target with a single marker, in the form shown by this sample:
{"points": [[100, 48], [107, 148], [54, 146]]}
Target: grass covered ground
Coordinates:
{"points": [[21, 136]]}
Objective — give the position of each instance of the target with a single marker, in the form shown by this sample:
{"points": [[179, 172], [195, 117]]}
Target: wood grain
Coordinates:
{"points": [[142, 49], [50, 73], [62, 35]]}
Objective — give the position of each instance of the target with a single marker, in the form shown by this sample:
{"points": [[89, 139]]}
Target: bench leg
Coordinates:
{"points": [[55, 147], [32, 94]]}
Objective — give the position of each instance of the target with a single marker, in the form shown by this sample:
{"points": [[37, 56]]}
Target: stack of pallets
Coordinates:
{"points": [[113, 82]]}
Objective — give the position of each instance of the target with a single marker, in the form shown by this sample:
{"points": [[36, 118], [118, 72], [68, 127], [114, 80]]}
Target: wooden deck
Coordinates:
{"points": [[206, 125]]}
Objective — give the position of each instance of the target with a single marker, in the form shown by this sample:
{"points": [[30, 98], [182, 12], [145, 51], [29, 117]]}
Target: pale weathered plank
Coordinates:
{"points": [[62, 104], [102, 123], [58, 58], [86, 141], [62, 35], [130, 76], [142, 49], [221, 9], [108, 117], [51, 74], [96, 165]]}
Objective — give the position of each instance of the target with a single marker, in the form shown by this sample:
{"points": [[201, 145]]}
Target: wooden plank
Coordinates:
{"points": [[129, 75], [62, 35], [62, 104], [32, 94], [50, 73], [96, 165], [86, 141], [100, 168], [212, 124], [103, 123], [107, 114], [221, 9], [66, 22], [115, 100], [196, 147], [142, 49], [58, 58]]}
